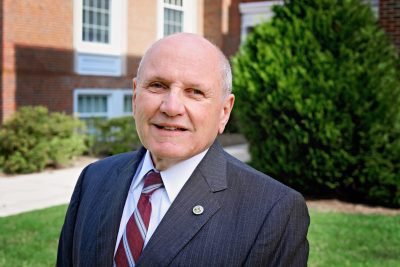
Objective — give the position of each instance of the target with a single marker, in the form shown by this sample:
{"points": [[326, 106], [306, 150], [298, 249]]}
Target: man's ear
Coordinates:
{"points": [[134, 96], [227, 107]]}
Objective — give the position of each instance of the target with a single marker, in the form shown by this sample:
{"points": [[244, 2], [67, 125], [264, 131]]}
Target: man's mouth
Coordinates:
{"points": [[170, 128]]}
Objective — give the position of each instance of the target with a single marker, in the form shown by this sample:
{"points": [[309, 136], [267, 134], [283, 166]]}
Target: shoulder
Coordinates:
{"points": [[109, 166], [257, 184], [115, 160]]}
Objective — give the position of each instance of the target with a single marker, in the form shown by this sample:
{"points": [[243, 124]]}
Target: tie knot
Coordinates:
{"points": [[152, 182]]}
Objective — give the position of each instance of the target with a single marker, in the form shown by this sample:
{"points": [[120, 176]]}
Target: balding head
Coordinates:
{"points": [[188, 41]]}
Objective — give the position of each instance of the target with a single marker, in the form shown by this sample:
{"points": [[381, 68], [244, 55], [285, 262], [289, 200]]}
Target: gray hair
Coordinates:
{"points": [[226, 71]]}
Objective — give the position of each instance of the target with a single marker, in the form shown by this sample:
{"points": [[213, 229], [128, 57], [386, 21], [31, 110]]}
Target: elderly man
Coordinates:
{"points": [[181, 200]]}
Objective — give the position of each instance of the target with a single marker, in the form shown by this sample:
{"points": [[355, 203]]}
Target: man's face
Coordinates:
{"points": [[179, 105]]}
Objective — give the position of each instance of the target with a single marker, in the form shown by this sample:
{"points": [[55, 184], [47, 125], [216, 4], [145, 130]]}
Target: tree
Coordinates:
{"points": [[318, 99]]}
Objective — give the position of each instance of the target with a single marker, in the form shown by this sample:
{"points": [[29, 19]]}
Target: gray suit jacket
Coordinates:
{"points": [[249, 219]]}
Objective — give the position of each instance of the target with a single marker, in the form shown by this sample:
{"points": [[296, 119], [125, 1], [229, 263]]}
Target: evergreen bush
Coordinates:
{"points": [[34, 138], [318, 99], [113, 136]]}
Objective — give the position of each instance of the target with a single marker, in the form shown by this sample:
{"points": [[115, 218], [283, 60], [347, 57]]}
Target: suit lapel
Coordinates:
{"points": [[180, 223], [111, 207]]}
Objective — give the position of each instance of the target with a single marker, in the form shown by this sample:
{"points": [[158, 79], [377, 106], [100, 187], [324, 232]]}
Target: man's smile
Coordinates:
{"points": [[169, 127]]}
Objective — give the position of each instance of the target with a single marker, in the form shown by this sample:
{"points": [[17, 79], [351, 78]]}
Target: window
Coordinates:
{"points": [[92, 105], [100, 36], [173, 16], [102, 103], [96, 21], [177, 16]]}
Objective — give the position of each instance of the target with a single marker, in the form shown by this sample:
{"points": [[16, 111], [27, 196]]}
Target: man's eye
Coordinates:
{"points": [[156, 85], [196, 92]]}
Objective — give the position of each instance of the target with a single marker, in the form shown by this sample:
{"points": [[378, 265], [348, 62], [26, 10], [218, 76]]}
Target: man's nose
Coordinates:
{"points": [[173, 104]]}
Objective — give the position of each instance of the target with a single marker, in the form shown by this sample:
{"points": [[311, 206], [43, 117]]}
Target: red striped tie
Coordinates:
{"points": [[132, 241]]}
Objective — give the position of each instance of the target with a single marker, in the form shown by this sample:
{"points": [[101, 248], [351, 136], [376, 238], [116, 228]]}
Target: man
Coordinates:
{"points": [[207, 208]]}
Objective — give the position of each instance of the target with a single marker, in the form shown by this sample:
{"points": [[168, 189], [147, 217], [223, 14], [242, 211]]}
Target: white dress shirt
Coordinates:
{"points": [[173, 178]]}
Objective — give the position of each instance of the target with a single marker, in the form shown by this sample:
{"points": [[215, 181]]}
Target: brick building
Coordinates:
{"points": [[79, 56]]}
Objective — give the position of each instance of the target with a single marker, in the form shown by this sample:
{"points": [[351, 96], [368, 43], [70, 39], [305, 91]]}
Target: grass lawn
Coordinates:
{"points": [[336, 239], [30, 239]]}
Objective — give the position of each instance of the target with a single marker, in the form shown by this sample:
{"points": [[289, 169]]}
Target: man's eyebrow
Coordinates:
{"points": [[158, 78], [149, 79]]}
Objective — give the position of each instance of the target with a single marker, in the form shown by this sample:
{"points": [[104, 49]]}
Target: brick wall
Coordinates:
{"points": [[232, 38], [213, 21], [43, 25], [38, 57], [389, 18], [142, 23]]}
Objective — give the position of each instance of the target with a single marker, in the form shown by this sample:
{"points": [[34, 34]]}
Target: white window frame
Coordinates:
{"points": [[117, 34], [115, 102], [253, 13], [189, 8]]}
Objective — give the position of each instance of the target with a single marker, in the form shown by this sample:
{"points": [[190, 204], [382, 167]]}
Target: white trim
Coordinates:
{"points": [[101, 65], [254, 13], [190, 17]]}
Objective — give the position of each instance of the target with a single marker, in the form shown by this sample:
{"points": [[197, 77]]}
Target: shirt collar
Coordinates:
{"points": [[175, 177]]}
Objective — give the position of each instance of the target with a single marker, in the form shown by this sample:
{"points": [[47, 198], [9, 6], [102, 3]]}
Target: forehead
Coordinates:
{"points": [[183, 60]]}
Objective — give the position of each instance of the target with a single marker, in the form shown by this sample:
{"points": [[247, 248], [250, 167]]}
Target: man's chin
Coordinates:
{"points": [[169, 155]]}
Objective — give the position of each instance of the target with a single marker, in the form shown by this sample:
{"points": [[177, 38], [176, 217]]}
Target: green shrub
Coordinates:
{"points": [[34, 138], [113, 136], [318, 100]]}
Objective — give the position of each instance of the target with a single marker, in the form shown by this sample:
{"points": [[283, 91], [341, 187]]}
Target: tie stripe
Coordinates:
{"points": [[132, 241], [127, 252], [140, 224]]}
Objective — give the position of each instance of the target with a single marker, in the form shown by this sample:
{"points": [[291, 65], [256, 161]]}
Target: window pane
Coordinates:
{"points": [[98, 36], [91, 17], [102, 21], [106, 38], [128, 103], [98, 19], [106, 20], [90, 37], [84, 34]]}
